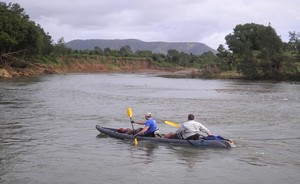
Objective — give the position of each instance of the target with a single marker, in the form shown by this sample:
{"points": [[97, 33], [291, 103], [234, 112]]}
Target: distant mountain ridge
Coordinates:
{"points": [[196, 48]]}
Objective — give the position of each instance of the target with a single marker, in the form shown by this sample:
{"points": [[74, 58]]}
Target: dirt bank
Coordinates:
{"points": [[87, 65]]}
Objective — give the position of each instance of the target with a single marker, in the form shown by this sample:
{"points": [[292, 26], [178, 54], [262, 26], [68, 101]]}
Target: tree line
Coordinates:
{"points": [[172, 58], [259, 53], [253, 50]]}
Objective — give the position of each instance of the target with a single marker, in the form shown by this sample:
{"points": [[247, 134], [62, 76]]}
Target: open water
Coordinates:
{"points": [[48, 135]]}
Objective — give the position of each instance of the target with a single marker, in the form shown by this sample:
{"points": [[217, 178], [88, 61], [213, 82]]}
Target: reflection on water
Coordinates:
{"points": [[47, 130]]}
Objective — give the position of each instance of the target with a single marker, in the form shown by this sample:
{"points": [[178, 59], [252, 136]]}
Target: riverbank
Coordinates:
{"points": [[79, 65], [8, 72], [98, 64]]}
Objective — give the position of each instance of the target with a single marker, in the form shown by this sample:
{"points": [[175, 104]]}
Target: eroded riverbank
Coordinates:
{"points": [[97, 65]]}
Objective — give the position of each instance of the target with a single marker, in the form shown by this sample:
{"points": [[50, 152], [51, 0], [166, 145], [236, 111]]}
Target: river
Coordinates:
{"points": [[48, 135]]}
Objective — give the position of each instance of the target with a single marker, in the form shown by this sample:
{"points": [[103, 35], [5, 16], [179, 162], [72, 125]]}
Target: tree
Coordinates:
{"points": [[173, 56], [144, 53], [125, 51], [294, 40], [107, 51], [19, 35], [60, 48], [98, 50], [225, 56], [294, 43], [257, 49]]}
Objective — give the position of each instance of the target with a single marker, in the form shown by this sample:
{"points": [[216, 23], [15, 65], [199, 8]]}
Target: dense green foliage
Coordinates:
{"points": [[258, 52], [19, 36]]}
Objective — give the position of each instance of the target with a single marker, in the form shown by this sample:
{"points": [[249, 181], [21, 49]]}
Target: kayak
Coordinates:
{"points": [[205, 142]]}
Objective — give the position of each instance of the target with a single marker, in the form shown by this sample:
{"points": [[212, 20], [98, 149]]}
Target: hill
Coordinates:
{"points": [[156, 47]]}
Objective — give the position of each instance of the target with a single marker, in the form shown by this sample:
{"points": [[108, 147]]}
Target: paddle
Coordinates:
{"points": [[172, 124], [177, 126], [129, 112]]}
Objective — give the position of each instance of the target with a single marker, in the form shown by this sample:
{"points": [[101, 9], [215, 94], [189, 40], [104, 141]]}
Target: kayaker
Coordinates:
{"points": [[149, 129], [189, 130]]}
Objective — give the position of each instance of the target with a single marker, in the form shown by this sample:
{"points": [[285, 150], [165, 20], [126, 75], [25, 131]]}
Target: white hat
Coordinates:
{"points": [[149, 114]]}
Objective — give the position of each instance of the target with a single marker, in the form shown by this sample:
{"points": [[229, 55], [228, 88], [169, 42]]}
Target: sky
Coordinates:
{"points": [[205, 21]]}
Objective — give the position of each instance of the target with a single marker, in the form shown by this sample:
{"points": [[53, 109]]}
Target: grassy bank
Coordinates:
{"points": [[43, 65]]}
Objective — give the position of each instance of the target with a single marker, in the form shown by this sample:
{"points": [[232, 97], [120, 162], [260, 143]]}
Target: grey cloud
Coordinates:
{"points": [[159, 20]]}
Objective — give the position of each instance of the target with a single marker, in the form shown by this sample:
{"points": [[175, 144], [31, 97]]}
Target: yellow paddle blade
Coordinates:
{"points": [[135, 141], [172, 124], [129, 112]]}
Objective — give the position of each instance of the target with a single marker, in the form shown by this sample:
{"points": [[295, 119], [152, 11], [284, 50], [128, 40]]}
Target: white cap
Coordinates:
{"points": [[149, 114]]}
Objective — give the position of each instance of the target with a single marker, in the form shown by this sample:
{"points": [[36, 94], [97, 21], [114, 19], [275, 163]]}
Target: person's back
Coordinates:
{"points": [[151, 123], [190, 128]]}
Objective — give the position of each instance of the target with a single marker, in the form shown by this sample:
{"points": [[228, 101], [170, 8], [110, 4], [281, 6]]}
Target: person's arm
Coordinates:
{"points": [[140, 123], [204, 129], [143, 130], [208, 133]]}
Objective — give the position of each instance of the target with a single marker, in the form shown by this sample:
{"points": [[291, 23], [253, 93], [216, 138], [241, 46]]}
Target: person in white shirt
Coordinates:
{"points": [[189, 130]]}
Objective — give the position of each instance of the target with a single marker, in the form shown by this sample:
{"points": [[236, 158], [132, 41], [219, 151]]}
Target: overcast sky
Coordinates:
{"points": [[206, 21]]}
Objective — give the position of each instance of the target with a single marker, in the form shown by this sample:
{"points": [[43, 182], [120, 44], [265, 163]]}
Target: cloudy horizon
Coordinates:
{"points": [[205, 21]]}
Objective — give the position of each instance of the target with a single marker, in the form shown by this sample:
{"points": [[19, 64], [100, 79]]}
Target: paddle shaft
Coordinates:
{"points": [[129, 112], [132, 126]]}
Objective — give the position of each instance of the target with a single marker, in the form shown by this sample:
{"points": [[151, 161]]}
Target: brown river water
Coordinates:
{"points": [[48, 135]]}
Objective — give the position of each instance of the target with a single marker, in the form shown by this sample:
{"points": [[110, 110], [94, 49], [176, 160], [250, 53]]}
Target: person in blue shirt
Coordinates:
{"points": [[150, 129]]}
